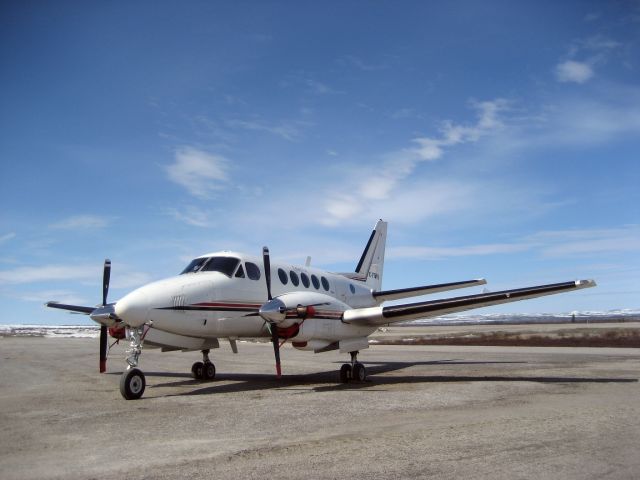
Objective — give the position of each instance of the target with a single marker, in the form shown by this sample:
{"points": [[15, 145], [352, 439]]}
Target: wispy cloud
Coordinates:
{"points": [[555, 243], [567, 243], [438, 253], [200, 172], [375, 190], [192, 215], [122, 277], [6, 237], [572, 71], [291, 131], [82, 222], [583, 57], [47, 273], [62, 296]]}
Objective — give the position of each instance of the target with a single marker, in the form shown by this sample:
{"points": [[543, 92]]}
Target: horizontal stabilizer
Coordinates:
{"points": [[70, 308], [410, 311], [385, 295]]}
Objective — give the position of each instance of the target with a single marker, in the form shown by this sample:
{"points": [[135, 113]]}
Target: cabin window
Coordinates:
{"points": [[315, 281], [305, 279], [294, 278], [283, 276], [253, 271], [240, 272], [224, 265], [325, 283], [352, 288], [195, 265]]}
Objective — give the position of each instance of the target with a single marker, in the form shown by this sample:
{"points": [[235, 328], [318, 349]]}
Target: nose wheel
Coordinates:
{"points": [[354, 371], [132, 384]]}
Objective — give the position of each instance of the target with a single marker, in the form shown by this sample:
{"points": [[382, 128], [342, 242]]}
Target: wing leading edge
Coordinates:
{"points": [[410, 311]]}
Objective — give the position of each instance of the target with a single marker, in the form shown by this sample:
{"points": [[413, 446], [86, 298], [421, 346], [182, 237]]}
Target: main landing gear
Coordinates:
{"points": [[204, 370], [354, 371]]}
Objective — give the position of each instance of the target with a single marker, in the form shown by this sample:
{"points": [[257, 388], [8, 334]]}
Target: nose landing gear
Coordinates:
{"points": [[132, 381]]}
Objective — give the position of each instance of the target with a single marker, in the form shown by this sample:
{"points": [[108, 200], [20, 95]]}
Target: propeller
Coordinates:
{"points": [[274, 311], [104, 339], [273, 328]]}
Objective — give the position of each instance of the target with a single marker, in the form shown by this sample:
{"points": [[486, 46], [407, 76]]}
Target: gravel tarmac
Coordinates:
{"points": [[424, 412]]}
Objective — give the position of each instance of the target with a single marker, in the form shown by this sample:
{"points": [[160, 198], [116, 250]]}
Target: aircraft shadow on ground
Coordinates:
{"points": [[328, 380]]}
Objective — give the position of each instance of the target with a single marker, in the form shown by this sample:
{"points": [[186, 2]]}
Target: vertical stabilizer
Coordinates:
{"points": [[371, 264]]}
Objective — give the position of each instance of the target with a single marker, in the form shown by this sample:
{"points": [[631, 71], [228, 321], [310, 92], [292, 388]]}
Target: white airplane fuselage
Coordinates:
{"points": [[213, 304]]}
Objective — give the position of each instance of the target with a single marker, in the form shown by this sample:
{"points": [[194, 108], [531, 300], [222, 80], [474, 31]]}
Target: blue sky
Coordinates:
{"points": [[500, 139]]}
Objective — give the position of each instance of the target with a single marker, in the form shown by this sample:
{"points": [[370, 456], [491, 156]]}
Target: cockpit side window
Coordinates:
{"points": [[253, 271], [225, 265], [240, 272], [195, 265]]}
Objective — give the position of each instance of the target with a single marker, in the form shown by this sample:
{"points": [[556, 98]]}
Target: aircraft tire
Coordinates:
{"points": [[197, 370], [132, 384], [209, 371], [345, 373], [359, 373]]}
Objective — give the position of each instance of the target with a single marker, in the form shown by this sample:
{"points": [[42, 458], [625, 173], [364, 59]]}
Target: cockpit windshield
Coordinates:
{"points": [[225, 265], [195, 265]]}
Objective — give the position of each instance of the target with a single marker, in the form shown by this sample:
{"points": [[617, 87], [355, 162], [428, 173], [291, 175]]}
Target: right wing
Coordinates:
{"points": [[375, 316]]}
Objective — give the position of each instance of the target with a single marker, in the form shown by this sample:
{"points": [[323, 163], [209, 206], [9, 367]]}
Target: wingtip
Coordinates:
{"points": [[586, 283]]}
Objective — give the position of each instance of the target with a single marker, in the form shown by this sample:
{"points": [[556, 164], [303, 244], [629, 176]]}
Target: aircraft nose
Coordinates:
{"points": [[133, 309]]}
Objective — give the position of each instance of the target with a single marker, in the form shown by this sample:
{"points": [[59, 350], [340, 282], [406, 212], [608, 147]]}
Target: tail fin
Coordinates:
{"points": [[371, 264]]}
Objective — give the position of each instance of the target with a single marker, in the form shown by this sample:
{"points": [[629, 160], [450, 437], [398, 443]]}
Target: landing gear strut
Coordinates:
{"points": [[354, 371], [132, 381], [204, 370]]}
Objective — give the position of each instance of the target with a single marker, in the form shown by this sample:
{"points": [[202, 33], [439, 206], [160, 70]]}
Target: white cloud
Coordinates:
{"points": [[558, 243], [437, 253], [47, 273], [286, 130], [373, 192], [122, 276], [572, 71], [201, 173], [82, 222], [6, 237], [191, 215], [566, 243], [61, 296]]}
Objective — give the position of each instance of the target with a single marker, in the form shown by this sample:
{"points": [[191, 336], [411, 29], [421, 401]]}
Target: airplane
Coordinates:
{"points": [[232, 295]]}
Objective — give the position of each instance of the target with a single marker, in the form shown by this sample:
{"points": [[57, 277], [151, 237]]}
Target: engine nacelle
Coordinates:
{"points": [[291, 308]]}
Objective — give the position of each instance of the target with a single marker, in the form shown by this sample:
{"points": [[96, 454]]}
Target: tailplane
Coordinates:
{"points": [[371, 264]]}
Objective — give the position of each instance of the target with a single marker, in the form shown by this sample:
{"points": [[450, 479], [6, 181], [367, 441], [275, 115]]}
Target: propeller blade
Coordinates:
{"points": [[267, 270], [106, 276], [276, 349], [103, 348]]}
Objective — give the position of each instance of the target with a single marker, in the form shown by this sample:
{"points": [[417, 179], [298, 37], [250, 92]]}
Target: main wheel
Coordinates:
{"points": [[209, 371], [197, 370], [345, 373], [132, 383], [359, 372]]}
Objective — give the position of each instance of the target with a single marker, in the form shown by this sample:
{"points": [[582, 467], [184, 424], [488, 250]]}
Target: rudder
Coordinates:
{"points": [[371, 264]]}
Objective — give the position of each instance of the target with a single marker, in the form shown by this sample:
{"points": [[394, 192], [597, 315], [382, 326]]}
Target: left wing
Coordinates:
{"points": [[71, 308], [375, 316]]}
